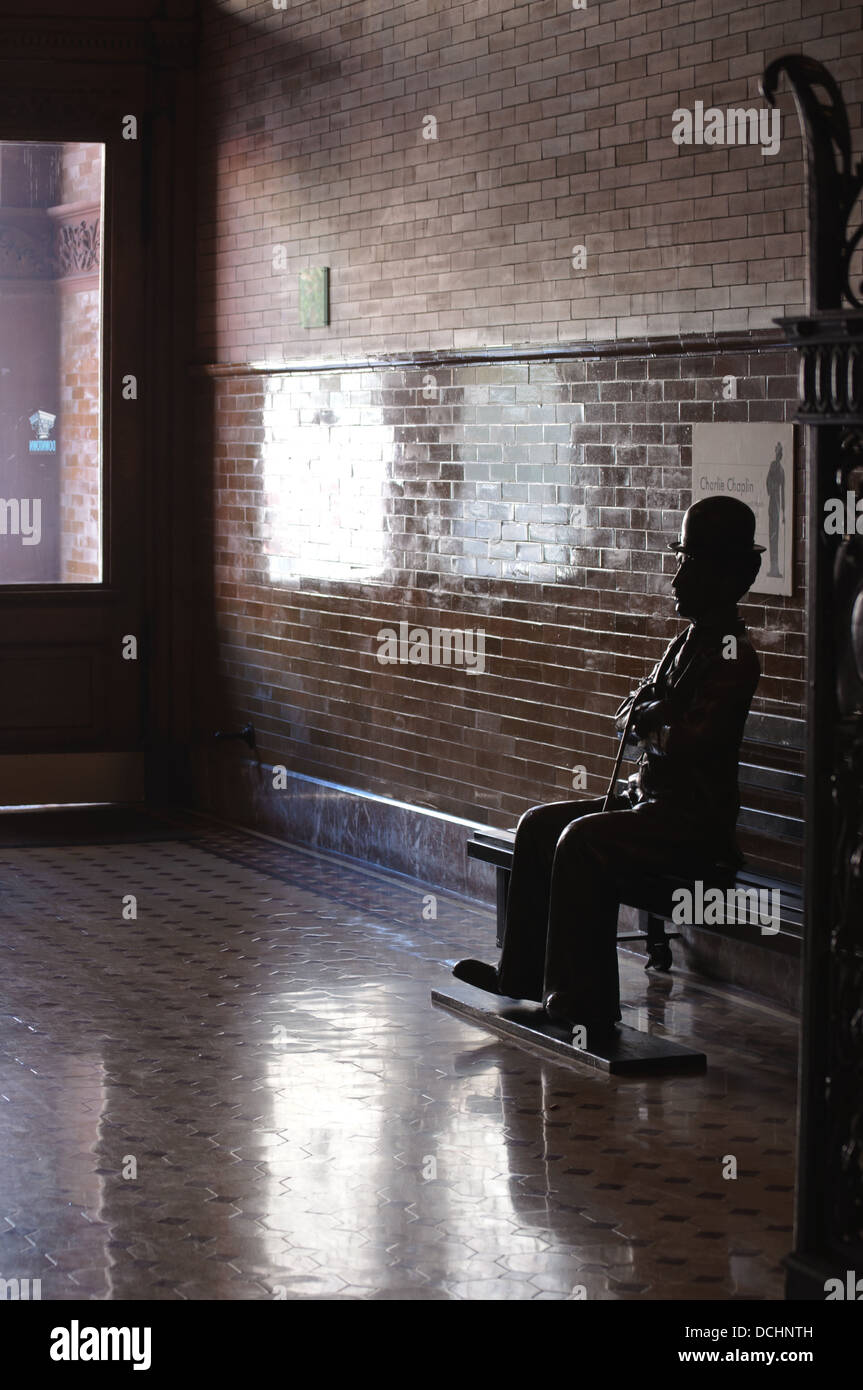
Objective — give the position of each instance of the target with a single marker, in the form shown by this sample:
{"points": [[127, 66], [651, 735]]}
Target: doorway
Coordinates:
{"points": [[72, 693]]}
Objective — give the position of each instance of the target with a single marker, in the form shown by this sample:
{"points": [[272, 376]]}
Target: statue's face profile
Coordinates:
{"points": [[695, 586]]}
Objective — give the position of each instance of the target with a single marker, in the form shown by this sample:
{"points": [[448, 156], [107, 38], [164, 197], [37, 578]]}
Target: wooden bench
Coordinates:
{"points": [[770, 827]]}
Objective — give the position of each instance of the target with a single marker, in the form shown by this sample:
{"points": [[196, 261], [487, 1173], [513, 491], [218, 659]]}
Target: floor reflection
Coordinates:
{"points": [[303, 1123]]}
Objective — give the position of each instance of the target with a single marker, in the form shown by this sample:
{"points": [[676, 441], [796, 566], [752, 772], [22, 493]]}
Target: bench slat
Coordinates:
{"points": [[770, 823], [775, 730], [762, 731], [772, 779], [650, 894], [499, 855]]}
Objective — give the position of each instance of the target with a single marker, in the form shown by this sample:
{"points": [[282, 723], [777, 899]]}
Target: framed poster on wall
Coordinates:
{"points": [[754, 463]]}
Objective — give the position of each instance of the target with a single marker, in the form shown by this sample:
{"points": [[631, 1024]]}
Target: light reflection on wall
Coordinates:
{"points": [[324, 481]]}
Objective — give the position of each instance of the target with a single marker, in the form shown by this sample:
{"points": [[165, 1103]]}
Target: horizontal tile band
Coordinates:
{"points": [[695, 344]]}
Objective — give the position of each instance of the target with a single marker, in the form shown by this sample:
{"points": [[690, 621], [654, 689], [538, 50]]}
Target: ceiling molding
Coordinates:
{"points": [[156, 42]]}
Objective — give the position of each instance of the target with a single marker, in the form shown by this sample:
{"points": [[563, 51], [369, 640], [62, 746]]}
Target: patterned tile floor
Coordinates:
{"points": [[245, 1093]]}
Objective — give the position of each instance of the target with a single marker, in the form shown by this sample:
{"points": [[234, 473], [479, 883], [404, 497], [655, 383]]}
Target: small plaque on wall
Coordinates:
{"points": [[315, 297], [754, 463]]}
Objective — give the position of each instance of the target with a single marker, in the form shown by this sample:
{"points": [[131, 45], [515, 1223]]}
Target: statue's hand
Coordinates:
{"points": [[651, 717], [635, 700]]}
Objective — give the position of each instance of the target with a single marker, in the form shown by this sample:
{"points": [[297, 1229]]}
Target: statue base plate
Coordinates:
{"points": [[629, 1053]]}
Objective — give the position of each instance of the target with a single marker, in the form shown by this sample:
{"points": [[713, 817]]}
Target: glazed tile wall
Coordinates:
{"points": [[80, 311], [553, 130], [528, 500], [81, 172], [80, 481]]}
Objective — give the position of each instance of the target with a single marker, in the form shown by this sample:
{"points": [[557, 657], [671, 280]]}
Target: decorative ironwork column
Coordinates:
{"points": [[829, 1204]]}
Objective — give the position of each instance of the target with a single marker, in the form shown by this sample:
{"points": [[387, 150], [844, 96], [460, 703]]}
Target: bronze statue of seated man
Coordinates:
{"points": [[679, 811]]}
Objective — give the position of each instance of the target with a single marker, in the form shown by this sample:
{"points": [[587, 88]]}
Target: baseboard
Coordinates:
{"points": [[431, 846], [414, 840]]}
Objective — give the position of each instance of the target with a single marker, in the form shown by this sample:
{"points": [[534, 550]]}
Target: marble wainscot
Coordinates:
{"points": [[431, 847], [414, 840]]}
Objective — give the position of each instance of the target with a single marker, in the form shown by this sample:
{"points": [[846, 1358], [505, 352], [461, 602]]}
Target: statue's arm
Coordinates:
{"points": [[692, 723], [642, 695], [639, 697]]}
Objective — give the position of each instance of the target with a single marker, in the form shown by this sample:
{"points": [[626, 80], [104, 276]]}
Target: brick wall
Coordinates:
{"points": [[81, 172], [80, 484], [553, 130], [79, 358], [528, 498]]}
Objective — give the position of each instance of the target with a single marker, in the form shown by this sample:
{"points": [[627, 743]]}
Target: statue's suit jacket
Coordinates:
{"points": [[698, 697]]}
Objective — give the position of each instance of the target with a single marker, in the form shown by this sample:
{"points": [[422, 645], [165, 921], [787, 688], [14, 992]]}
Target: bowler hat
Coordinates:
{"points": [[717, 526]]}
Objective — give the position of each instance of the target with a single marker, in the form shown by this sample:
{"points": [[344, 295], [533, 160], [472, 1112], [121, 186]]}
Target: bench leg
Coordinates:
{"points": [[502, 893], [658, 947]]}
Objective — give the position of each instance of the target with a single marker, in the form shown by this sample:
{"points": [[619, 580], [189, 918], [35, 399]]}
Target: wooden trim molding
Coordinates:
{"points": [[145, 40], [33, 779], [696, 344]]}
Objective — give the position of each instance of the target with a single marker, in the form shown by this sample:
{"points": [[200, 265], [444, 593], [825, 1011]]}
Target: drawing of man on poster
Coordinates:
{"points": [[775, 503]]}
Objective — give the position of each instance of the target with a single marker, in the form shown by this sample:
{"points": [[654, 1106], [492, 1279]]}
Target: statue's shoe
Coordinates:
{"points": [[477, 973], [561, 1009]]}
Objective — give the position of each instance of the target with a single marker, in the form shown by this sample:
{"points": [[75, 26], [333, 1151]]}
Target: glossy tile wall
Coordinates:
{"points": [[80, 327], [401, 464], [445, 163], [528, 503]]}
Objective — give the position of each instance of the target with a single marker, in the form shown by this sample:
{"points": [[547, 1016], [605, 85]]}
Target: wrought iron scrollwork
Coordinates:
{"points": [[844, 1079], [830, 341], [834, 186], [830, 381]]}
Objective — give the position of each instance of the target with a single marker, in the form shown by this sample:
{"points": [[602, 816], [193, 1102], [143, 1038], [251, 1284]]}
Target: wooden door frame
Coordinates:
{"points": [[76, 78]]}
